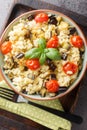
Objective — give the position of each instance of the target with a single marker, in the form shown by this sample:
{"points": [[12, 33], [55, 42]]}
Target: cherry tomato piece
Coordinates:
{"points": [[70, 68], [76, 41], [6, 47], [32, 64], [53, 42], [52, 86], [42, 17]]}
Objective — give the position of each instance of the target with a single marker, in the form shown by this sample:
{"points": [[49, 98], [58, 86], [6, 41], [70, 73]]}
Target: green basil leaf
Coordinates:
{"points": [[46, 50], [53, 54], [35, 55], [31, 52], [42, 43], [42, 58]]}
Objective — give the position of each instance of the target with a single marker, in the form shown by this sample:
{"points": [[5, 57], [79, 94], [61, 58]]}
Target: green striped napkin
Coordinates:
{"points": [[36, 114]]}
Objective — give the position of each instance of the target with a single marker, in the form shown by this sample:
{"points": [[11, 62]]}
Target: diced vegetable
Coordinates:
{"points": [[32, 64], [77, 41], [6, 47], [53, 42], [52, 86], [42, 17], [70, 68]]}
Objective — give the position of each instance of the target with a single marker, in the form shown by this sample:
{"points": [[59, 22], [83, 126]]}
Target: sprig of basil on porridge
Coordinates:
{"points": [[42, 52]]}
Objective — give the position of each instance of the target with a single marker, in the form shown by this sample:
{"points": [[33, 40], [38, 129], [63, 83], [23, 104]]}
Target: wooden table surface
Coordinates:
{"points": [[9, 121]]}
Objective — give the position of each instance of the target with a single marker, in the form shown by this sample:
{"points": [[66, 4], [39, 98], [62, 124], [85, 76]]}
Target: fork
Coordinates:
{"points": [[10, 95]]}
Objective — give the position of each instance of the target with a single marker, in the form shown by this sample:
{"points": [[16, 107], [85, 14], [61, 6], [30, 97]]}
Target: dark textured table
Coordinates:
{"points": [[10, 121]]}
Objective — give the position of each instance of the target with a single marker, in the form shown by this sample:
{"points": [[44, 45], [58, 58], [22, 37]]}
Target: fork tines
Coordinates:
{"points": [[6, 90], [6, 93]]}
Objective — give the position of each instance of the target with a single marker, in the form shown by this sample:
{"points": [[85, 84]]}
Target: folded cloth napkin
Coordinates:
{"points": [[36, 114]]}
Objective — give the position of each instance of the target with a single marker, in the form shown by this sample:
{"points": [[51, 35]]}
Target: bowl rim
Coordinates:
{"points": [[85, 64]]}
